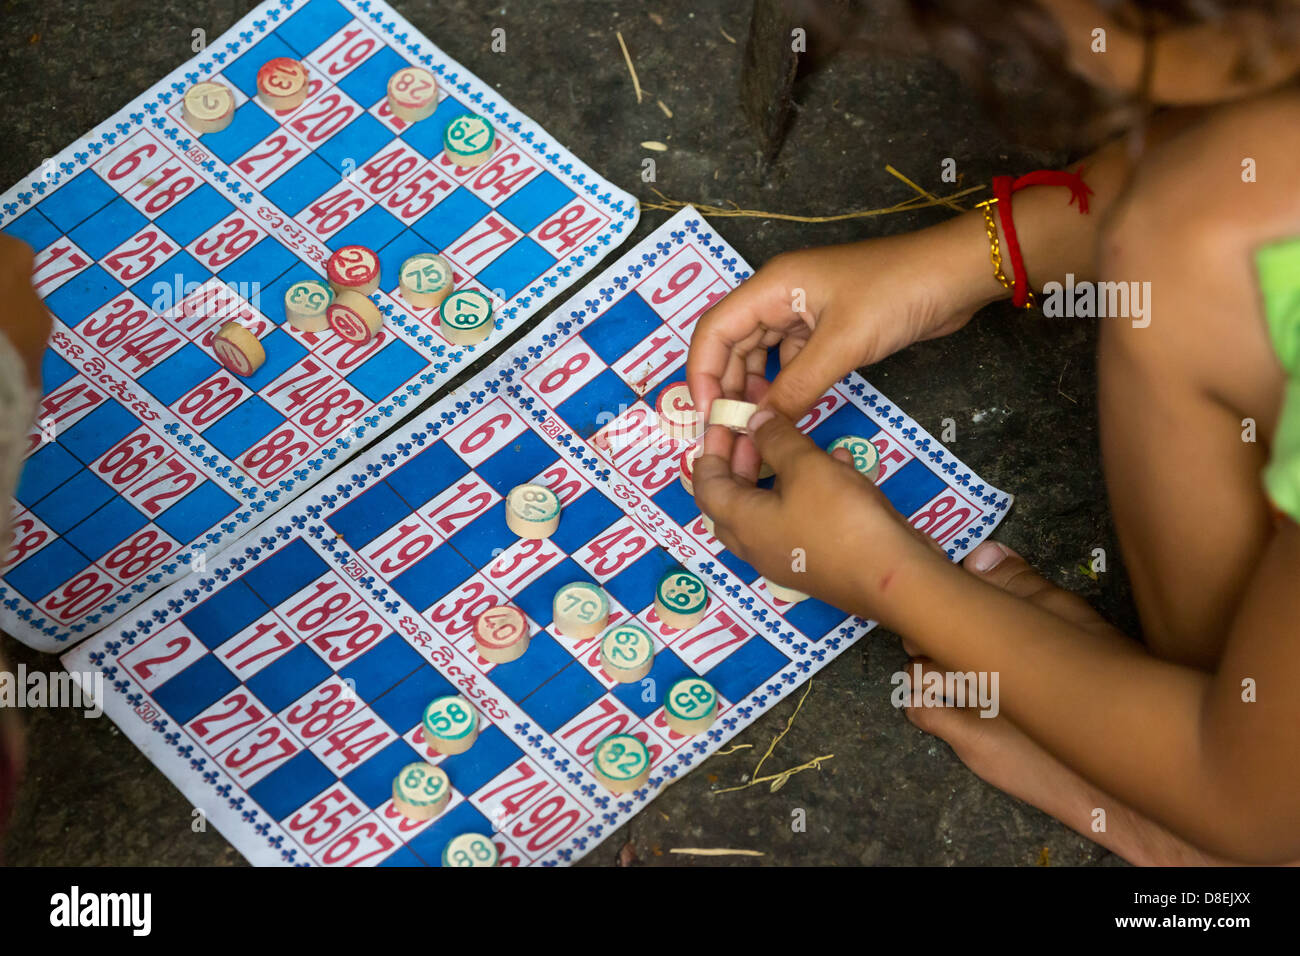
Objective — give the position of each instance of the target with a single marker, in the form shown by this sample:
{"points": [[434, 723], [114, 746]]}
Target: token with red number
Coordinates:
{"points": [[238, 349], [208, 107], [501, 634], [687, 467], [677, 415], [282, 83], [354, 269], [412, 94], [354, 317]]}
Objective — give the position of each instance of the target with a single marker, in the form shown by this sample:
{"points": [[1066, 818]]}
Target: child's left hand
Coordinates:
{"points": [[852, 540]]}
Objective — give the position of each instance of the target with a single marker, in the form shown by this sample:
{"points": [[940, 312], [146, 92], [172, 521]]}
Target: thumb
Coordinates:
{"points": [[779, 443], [807, 376]]}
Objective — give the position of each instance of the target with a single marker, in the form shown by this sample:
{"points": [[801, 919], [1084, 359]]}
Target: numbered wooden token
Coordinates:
{"points": [[627, 653], [412, 94], [305, 305], [208, 107], [708, 524], [426, 280], [783, 593], [354, 317], [681, 599], [470, 849], [450, 725], [353, 269], [686, 467], [580, 610], [465, 317], [421, 792], [532, 511], [732, 414], [621, 763], [238, 349], [469, 140], [866, 457], [501, 634], [677, 415], [282, 83], [691, 706]]}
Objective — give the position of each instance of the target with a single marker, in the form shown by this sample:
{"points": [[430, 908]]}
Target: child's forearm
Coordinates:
{"points": [[1178, 744]]}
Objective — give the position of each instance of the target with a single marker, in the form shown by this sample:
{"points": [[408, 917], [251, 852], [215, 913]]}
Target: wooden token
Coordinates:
{"points": [[732, 414], [469, 140], [681, 599], [783, 593], [282, 83], [426, 280], [532, 511], [420, 791], [412, 94], [686, 467], [866, 457], [627, 653], [580, 610], [354, 317], [677, 415], [450, 725], [353, 269], [691, 706], [501, 634], [708, 523], [208, 107], [305, 305], [470, 849], [622, 763], [238, 349], [465, 317]]}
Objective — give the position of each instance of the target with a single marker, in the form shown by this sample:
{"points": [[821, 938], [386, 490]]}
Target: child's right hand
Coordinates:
{"points": [[834, 309]]}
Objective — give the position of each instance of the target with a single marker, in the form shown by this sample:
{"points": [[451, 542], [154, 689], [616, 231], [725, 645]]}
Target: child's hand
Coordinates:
{"points": [[853, 541], [837, 308], [24, 319]]}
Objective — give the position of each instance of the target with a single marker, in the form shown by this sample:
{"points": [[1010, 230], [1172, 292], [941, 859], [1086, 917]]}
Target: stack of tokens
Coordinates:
{"points": [[627, 653], [677, 415], [282, 83], [208, 107], [421, 792], [681, 599], [426, 280], [532, 511], [305, 305], [866, 457], [353, 269], [238, 349], [691, 706], [354, 317], [469, 140], [465, 317], [450, 725], [580, 611], [470, 849], [412, 94], [501, 634], [622, 763]]}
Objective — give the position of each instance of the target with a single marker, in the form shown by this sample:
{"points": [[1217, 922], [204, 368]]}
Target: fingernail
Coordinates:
{"points": [[987, 556], [759, 419]]}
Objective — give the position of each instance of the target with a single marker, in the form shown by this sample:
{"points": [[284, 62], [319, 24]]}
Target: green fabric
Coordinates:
{"points": [[1279, 280]]}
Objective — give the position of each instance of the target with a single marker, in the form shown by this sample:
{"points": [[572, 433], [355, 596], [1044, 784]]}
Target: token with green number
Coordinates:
{"points": [[450, 725], [470, 849], [306, 303], [681, 599], [627, 653], [691, 706], [622, 763], [426, 279], [866, 457], [465, 317], [580, 610], [532, 511], [421, 791], [469, 140]]}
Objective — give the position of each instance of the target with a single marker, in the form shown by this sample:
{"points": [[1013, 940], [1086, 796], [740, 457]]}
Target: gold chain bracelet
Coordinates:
{"points": [[995, 249]]}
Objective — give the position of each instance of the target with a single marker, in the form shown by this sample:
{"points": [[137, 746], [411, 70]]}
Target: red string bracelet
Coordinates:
{"points": [[1003, 187]]}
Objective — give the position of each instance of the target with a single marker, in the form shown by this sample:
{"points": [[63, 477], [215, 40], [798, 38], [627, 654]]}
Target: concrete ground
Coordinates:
{"points": [[1021, 389]]}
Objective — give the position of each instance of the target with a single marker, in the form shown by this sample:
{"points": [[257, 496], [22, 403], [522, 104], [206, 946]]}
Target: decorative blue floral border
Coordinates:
{"points": [[149, 111], [804, 658]]}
